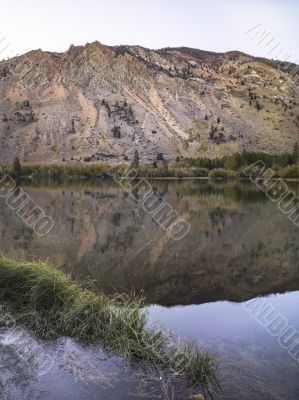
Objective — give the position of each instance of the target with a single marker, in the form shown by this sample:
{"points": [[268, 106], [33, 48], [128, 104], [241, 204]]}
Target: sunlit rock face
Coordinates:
{"points": [[99, 103]]}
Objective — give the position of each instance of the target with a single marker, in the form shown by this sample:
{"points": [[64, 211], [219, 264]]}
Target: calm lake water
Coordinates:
{"points": [[240, 247]]}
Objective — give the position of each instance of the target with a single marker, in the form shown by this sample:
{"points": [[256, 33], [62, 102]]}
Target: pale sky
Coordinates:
{"points": [[213, 25]]}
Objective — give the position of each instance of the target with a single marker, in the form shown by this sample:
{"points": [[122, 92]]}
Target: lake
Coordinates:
{"points": [[240, 247]]}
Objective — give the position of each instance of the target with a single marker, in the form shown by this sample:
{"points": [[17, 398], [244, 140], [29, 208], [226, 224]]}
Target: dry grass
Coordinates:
{"points": [[62, 307]]}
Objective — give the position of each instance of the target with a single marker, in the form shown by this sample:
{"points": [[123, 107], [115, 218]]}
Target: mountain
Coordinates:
{"points": [[100, 103]]}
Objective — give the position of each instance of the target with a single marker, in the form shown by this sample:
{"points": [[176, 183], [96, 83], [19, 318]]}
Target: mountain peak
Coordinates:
{"points": [[102, 103]]}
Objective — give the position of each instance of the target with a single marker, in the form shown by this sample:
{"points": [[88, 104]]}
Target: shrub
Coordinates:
{"points": [[17, 169], [200, 172], [221, 173], [291, 172]]}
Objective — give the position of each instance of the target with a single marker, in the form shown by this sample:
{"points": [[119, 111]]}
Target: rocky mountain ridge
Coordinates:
{"points": [[101, 103]]}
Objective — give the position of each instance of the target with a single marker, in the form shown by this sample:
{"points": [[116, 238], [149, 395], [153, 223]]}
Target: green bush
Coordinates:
{"points": [[291, 172], [219, 173], [200, 172]]}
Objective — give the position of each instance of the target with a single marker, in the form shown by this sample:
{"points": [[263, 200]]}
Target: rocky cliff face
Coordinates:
{"points": [[99, 103]]}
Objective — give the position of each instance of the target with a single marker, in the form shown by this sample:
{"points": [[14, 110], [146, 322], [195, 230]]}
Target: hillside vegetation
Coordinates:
{"points": [[99, 103]]}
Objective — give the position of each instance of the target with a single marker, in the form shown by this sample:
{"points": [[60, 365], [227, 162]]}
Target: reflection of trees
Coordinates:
{"points": [[239, 193], [238, 246], [218, 216]]}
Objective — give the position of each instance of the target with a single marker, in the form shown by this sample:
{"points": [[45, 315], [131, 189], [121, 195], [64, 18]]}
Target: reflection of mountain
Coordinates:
{"points": [[240, 246]]}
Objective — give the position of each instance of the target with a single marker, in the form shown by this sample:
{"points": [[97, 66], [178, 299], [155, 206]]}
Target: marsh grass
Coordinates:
{"points": [[50, 303], [231, 166], [72, 170], [291, 172]]}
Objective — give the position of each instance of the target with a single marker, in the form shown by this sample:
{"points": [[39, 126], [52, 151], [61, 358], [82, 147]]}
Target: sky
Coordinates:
{"points": [[267, 28]]}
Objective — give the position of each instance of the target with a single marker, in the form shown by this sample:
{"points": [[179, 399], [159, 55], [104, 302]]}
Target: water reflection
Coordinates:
{"points": [[79, 372], [253, 364], [240, 245]]}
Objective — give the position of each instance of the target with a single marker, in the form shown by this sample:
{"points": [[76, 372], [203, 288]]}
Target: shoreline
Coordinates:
{"points": [[119, 323], [83, 178]]}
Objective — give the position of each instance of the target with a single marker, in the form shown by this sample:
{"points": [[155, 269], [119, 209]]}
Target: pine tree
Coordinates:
{"points": [[296, 153], [17, 168], [135, 162]]}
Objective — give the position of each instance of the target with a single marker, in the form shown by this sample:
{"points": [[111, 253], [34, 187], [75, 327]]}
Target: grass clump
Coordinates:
{"points": [[50, 303], [221, 173], [291, 172]]}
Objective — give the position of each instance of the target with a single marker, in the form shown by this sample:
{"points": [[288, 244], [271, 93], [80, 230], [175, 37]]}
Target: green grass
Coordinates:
{"points": [[50, 303]]}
